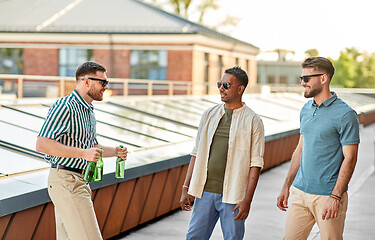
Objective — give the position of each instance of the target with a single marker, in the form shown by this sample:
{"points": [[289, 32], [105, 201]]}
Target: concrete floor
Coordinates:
{"points": [[266, 221]]}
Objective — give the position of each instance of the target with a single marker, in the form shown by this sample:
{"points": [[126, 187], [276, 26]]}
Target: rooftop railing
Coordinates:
{"points": [[54, 86]]}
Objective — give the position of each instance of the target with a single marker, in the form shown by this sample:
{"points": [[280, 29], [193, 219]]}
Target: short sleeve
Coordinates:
{"points": [[349, 129], [57, 122]]}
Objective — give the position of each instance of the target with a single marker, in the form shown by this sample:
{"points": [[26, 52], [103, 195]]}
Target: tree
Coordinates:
{"points": [[181, 7], [312, 52], [204, 6], [354, 69], [282, 53], [189, 9]]}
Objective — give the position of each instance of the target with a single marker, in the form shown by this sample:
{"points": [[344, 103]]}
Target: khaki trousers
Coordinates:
{"points": [[74, 210], [306, 209]]}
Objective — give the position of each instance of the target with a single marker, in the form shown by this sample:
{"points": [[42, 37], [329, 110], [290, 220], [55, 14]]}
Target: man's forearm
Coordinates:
{"points": [[107, 151], [252, 183], [295, 164], [346, 170], [189, 171], [54, 148]]}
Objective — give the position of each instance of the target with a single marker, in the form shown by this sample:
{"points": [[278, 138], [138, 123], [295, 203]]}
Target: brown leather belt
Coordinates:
{"points": [[76, 170]]}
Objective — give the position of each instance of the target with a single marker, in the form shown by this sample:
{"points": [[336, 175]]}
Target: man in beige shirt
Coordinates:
{"points": [[225, 163]]}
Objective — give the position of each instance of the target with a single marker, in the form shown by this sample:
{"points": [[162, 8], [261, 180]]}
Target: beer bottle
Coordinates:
{"points": [[89, 171], [120, 167], [98, 176]]}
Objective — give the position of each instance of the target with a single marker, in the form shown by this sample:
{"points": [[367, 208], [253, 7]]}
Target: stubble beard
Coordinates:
{"points": [[95, 95], [312, 93], [223, 97]]}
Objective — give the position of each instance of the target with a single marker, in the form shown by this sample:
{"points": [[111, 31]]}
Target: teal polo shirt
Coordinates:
{"points": [[325, 129]]}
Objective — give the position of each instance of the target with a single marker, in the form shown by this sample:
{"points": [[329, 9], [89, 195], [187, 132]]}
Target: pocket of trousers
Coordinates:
{"points": [[67, 180]]}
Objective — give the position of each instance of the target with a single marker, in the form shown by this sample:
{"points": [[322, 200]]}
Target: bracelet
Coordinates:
{"points": [[335, 197], [187, 187]]}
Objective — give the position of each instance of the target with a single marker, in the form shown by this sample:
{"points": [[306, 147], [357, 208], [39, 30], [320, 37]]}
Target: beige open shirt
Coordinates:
{"points": [[245, 150]]}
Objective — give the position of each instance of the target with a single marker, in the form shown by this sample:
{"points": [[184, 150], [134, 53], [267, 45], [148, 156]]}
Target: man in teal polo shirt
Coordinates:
{"points": [[324, 160], [68, 138]]}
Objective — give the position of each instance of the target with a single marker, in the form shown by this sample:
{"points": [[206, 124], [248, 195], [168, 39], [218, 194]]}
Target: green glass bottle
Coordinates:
{"points": [[98, 176], [89, 171], [120, 167]]}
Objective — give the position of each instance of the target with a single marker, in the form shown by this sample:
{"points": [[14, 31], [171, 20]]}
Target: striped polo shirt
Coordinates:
{"points": [[70, 121]]}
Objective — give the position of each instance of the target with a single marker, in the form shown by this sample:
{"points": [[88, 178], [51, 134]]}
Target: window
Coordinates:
{"points": [[71, 58], [11, 60], [148, 64], [283, 80], [271, 79]]}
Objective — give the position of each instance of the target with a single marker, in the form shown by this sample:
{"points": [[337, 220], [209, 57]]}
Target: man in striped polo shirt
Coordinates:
{"points": [[68, 138]]}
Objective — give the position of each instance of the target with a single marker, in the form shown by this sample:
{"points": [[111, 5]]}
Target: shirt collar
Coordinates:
{"points": [[329, 101], [222, 110], [81, 100]]}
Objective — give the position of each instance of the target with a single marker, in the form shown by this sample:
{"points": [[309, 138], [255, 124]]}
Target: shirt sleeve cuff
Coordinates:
{"points": [[257, 162]]}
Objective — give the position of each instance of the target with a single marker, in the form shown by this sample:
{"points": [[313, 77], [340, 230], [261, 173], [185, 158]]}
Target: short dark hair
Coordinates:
{"points": [[240, 75], [320, 63], [89, 68]]}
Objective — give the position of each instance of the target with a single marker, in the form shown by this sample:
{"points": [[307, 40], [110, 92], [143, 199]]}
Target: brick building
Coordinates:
{"points": [[132, 39]]}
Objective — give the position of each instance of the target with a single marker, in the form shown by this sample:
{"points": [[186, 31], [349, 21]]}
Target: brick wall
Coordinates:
{"points": [[102, 56], [118, 66], [121, 64], [39, 61], [180, 63]]}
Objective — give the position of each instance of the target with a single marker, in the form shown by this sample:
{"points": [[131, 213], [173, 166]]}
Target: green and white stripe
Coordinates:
{"points": [[70, 121]]}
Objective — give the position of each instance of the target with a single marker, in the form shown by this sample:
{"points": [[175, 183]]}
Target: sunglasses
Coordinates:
{"points": [[306, 78], [104, 82], [226, 85]]}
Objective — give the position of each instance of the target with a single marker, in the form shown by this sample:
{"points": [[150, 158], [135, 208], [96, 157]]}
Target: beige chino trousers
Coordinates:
{"points": [[74, 209], [306, 209]]}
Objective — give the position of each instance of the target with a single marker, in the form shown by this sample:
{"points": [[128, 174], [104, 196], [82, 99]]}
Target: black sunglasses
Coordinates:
{"points": [[306, 78], [104, 82], [226, 85]]}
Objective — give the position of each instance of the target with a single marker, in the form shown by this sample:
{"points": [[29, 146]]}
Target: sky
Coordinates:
{"points": [[330, 26]]}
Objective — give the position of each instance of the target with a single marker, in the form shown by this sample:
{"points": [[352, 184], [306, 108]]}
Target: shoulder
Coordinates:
{"points": [[250, 112], [213, 110], [63, 104], [342, 108]]}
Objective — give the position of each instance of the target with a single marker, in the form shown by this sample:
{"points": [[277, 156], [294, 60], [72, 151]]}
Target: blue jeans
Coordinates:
{"points": [[207, 210]]}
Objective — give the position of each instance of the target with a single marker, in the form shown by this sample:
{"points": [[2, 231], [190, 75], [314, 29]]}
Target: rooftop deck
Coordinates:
{"points": [[159, 131], [266, 221]]}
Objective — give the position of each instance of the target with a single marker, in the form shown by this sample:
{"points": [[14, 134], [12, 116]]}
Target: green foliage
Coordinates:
{"points": [[312, 52], [196, 11], [206, 5], [181, 7], [354, 69]]}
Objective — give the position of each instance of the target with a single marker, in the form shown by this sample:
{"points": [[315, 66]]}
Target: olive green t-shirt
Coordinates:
{"points": [[217, 160]]}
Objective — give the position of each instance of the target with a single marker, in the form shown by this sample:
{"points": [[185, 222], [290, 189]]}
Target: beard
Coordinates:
{"points": [[95, 94], [312, 93]]}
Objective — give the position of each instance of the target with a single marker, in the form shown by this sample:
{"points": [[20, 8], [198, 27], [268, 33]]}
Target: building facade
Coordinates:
{"points": [[132, 39], [279, 72]]}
